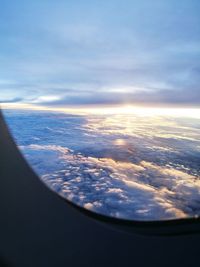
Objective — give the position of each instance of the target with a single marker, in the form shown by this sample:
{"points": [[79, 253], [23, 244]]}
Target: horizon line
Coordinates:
{"points": [[178, 111]]}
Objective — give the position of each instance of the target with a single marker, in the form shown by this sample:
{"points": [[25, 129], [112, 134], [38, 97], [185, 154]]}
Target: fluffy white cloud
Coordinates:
{"points": [[146, 168]]}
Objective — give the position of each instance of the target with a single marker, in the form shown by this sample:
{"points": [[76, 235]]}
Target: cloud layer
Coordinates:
{"points": [[144, 169], [100, 52]]}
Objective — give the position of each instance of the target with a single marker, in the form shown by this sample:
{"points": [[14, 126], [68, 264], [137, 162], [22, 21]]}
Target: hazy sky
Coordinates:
{"points": [[100, 52]]}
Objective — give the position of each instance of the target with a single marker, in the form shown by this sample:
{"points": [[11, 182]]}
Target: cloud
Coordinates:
{"points": [[46, 99], [95, 46], [77, 53], [14, 100], [152, 97], [146, 168], [114, 185]]}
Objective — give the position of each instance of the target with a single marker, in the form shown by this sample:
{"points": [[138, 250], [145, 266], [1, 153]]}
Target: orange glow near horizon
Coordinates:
{"points": [[112, 110]]}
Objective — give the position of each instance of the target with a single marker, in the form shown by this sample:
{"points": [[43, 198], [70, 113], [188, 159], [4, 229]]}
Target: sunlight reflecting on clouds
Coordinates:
{"points": [[122, 165], [120, 142]]}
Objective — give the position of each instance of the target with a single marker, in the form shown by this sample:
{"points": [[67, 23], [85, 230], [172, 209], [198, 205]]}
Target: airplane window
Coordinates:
{"points": [[103, 100]]}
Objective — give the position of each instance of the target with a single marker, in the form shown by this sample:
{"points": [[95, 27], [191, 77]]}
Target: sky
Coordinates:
{"points": [[61, 53]]}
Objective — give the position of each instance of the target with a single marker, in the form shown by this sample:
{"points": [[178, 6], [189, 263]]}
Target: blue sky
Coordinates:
{"points": [[61, 53]]}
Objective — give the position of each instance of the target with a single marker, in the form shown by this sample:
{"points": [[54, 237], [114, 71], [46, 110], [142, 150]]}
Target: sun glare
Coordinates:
{"points": [[113, 110]]}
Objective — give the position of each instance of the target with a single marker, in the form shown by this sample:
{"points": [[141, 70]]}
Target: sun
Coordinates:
{"points": [[113, 110], [144, 111]]}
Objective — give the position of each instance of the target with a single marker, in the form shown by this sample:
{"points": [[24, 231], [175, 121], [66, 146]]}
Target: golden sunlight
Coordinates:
{"points": [[109, 110]]}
